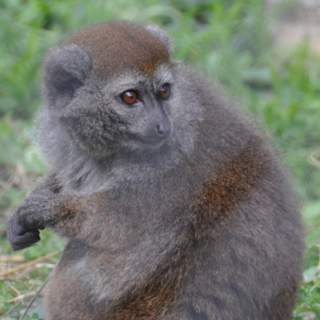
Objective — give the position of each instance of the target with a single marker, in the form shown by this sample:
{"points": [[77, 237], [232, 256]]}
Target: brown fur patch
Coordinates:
{"points": [[155, 299], [72, 215], [234, 183], [117, 46]]}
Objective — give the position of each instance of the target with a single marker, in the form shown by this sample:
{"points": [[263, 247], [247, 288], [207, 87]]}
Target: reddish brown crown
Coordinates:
{"points": [[117, 46]]}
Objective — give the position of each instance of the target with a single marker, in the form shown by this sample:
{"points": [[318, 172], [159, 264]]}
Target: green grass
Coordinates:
{"points": [[228, 40]]}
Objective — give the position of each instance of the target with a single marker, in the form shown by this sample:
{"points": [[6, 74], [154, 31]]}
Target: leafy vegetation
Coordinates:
{"points": [[228, 40]]}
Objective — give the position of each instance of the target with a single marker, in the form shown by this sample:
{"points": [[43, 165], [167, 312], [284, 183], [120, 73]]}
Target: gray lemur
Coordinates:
{"points": [[174, 205]]}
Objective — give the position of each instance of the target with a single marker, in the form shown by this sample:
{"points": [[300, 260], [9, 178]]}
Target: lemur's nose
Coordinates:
{"points": [[162, 130]]}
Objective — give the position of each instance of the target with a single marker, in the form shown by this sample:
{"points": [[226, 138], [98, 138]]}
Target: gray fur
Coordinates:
{"points": [[203, 225], [66, 69]]}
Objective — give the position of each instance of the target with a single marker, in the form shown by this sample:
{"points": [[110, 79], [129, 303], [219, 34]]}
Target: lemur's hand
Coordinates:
{"points": [[38, 211], [19, 235]]}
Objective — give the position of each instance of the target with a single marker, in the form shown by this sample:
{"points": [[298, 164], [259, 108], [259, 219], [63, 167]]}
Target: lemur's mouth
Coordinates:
{"points": [[156, 145], [152, 143]]}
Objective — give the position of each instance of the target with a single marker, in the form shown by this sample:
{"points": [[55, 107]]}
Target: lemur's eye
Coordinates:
{"points": [[130, 97], [164, 91]]}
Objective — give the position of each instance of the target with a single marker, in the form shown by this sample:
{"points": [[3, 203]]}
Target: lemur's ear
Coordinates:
{"points": [[65, 70], [161, 35]]}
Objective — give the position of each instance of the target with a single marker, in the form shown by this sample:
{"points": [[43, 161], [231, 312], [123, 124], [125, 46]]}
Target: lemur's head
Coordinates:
{"points": [[111, 88]]}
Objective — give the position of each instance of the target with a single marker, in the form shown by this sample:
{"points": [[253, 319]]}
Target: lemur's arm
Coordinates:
{"points": [[44, 207]]}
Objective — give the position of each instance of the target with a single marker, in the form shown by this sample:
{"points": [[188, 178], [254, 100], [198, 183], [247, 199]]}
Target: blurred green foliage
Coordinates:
{"points": [[228, 40]]}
